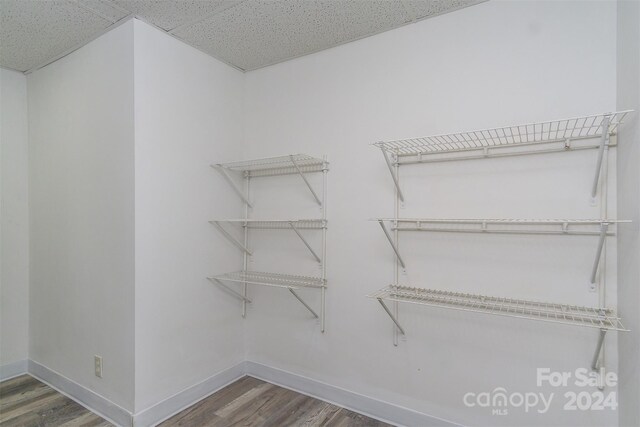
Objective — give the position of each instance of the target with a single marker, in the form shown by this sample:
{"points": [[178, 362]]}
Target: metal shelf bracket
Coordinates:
{"points": [[233, 185], [306, 181], [395, 320], [232, 239], [303, 303], [596, 355], [604, 143], [393, 244], [603, 235], [228, 289], [393, 174], [315, 255]]}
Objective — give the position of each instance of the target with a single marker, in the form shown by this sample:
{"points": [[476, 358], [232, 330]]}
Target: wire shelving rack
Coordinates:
{"points": [[553, 136], [580, 133], [298, 164]]}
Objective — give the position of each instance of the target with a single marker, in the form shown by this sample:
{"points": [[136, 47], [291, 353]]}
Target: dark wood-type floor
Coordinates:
{"points": [[252, 402], [25, 401]]}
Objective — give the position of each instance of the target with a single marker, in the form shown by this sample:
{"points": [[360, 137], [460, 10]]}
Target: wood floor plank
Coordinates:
{"points": [[198, 413], [243, 399], [277, 418], [16, 385], [32, 405], [23, 395], [25, 401], [256, 411]]}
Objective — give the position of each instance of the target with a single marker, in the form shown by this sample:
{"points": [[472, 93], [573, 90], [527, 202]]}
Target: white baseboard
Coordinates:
{"points": [[85, 397], [365, 405], [187, 397], [13, 369]]}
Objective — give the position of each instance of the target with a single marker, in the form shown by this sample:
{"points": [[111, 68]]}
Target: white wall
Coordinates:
{"points": [[81, 201], [497, 63], [188, 109], [14, 226], [629, 207]]}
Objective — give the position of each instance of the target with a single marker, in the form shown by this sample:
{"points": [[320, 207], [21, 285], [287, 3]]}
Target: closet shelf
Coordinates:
{"points": [[272, 279], [281, 165], [300, 224], [601, 318], [503, 225], [490, 142], [566, 227]]}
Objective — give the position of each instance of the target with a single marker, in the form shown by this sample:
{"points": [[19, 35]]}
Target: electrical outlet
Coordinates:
{"points": [[97, 364]]}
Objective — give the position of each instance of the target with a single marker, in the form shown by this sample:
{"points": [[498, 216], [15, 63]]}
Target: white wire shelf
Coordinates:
{"points": [[601, 318], [281, 165], [503, 225], [490, 142], [300, 224], [272, 279]]}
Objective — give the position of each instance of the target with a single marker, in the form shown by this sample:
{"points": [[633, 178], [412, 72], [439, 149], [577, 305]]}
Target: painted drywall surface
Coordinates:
{"points": [[14, 215], [497, 63], [629, 207], [188, 110], [81, 201]]}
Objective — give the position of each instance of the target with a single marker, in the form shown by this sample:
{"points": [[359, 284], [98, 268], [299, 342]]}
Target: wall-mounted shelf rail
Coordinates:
{"points": [[562, 227], [578, 133], [299, 164], [604, 319], [503, 225], [266, 224]]}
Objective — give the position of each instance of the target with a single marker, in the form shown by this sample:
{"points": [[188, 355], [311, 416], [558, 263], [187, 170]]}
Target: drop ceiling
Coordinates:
{"points": [[247, 34]]}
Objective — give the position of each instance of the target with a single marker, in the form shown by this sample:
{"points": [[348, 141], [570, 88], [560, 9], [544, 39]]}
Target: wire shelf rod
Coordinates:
{"points": [[300, 224]]}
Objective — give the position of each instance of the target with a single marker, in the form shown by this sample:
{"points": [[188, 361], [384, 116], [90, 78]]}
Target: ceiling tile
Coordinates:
{"points": [[366, 17], [227, 36], [419, 9], [33, 32], [105, 9], [170, 14]]}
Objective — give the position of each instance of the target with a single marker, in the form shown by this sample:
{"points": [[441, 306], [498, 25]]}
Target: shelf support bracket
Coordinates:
{"points": [[393, 244], [604, 142], [603, 235], [306, 181], [391, 315], [393, 175], [234, 293], [231, 238], [596, 356], [233, 185], [303, 303], [315, 255]]}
